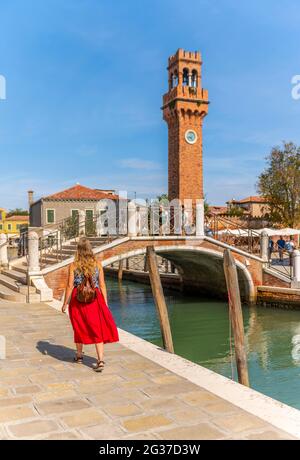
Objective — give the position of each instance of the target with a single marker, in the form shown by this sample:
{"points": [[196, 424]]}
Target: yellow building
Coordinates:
{"points": [[11, 225]]}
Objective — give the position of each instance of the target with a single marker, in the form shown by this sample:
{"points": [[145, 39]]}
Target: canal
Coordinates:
{"points": [[200, 330]]}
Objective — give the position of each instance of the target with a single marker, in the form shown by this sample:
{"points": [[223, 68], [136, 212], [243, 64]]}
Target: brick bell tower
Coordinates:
{"points": [[184, 107]]}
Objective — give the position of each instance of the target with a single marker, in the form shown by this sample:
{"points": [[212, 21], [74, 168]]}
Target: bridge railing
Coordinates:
{"points": [[281, 261], [250, 240], [52, 242], [225, 230], [55, 246]]}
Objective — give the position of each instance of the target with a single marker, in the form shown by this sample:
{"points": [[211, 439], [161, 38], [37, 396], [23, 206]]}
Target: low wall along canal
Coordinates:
{"points": [[200, 330]]}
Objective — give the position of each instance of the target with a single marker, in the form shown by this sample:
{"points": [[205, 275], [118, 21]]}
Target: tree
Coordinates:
{"points": [[163, 198], [206, 207], [17, 212], [235, 211], [279, 184]]}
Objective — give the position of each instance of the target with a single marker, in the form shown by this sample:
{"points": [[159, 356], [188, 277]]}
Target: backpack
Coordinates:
{"points": [[86, 291]]}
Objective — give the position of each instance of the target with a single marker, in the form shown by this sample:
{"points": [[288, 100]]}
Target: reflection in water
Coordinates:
{"points": [[257, 341], [296, 347], [200, 330]]}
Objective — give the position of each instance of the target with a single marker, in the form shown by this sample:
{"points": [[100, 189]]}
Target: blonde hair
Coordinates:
{"points": [[85, 260]]}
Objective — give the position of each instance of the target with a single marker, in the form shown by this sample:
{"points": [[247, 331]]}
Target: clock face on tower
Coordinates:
{"points": [[190, 136]]}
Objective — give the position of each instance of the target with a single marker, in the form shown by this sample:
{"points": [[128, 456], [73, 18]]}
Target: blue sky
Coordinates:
{"points": [[85, 80]]}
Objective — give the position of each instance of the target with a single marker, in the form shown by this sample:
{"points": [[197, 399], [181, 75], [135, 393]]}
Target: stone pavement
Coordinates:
{"points": [[43, 395]]}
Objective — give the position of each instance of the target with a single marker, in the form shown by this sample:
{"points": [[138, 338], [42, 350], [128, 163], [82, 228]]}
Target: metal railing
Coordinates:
{"points": [[61, 244], [249, 240], [57, 244], [139, 263], [225, 230], [281, 261]]}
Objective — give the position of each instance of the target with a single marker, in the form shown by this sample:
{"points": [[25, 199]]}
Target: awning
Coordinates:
{"points": [[270, 231]]}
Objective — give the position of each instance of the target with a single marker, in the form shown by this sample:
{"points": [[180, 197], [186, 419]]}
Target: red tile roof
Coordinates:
{"points": [[218, 209], [250, 199], [18, 218], [79, 192]]}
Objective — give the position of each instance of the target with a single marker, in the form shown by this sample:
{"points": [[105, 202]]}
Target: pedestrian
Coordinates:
{"points": [[290, 247], [281, 247], [86, 296], [270, 248]]}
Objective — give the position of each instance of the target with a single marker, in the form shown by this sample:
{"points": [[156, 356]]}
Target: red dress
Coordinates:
{"points": [[92, 322]]}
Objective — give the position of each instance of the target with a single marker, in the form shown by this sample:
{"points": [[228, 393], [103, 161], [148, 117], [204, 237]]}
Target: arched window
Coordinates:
{"points": [[171, 81], [185, 77], [175, 79], [194, 78]]}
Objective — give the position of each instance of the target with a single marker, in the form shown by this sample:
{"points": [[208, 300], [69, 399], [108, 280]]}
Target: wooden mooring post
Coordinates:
{"points": [[236, 317], [120, 270], [159, 299]]}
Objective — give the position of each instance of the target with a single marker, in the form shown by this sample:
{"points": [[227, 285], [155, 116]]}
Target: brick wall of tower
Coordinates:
{"points": [[173, 159], [190, 159], [185, 178]]}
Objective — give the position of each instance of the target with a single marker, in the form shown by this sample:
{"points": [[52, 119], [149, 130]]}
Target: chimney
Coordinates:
{"points": [[30, 198]]}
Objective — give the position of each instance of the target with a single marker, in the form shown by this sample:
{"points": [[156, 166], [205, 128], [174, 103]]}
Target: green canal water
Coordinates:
{"points": [[200, 330]]}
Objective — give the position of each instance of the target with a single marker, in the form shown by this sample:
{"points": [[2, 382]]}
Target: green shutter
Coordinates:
{"points": [[50, 216]]}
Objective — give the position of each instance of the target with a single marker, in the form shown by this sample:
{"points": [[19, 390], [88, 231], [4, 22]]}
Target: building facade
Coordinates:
{"points": [[254, 206], [11, 225], [53, 209], [184, 107]]}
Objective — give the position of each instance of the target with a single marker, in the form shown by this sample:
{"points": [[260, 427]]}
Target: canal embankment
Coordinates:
{"points": [[278, 297], [282, 416], [247, 402], [138, 396]]}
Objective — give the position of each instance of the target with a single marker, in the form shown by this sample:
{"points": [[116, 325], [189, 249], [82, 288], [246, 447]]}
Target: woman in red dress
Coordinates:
{"points": [[92, 322]]}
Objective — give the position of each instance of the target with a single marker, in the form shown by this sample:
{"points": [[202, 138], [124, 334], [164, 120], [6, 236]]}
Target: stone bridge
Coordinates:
{"points": [[199, 262], [197, 258]]}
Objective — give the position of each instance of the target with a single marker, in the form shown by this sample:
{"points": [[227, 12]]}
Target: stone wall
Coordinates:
{"points": [[276, 297], [270, 280]]}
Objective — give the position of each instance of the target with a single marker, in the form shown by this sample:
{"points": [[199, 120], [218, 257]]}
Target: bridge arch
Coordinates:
{"points": [[201, 269]]}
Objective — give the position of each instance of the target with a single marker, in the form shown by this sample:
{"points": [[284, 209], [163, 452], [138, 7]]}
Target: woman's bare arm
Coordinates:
{"points": [[102, 284], [69, 288]]}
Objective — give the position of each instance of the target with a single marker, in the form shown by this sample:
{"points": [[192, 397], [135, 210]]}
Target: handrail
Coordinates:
{"points": [[279, 264], [252, 243], [227, 221], [249, 243], [53, 245]]}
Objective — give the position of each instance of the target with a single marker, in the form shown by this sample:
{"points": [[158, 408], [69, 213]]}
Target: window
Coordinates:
{"points": [[18, 226], [194, 78], [50, 216], [89, 214], [1, 227], [185, 78], [8, 226], [74, 214], [174, 79], [90, 225]]}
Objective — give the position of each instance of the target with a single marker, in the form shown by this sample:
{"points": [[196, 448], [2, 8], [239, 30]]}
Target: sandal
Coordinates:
{"points": [[78, 359], [99, 366]]}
